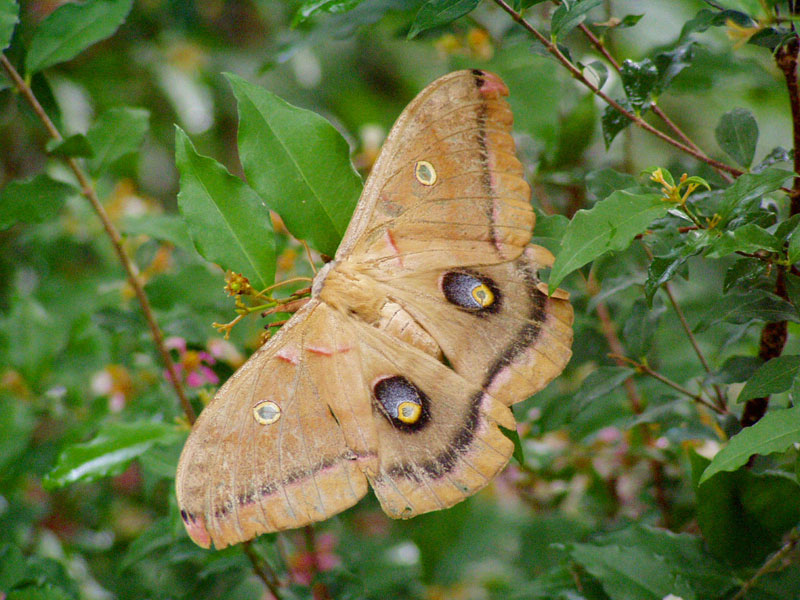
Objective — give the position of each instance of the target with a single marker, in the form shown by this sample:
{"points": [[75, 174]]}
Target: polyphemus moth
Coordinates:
{"points": [[400, 370]]}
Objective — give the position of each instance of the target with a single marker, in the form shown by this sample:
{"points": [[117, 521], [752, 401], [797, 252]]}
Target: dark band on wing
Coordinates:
{"points": [[483, 155], [272, 487], [527, 334]]}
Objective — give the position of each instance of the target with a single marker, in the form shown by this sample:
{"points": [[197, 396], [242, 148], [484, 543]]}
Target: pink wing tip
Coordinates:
{"points": [[196, 528], [492, 86]]}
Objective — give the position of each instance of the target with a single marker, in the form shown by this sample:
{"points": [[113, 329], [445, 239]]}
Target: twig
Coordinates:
{"points": [[262, 570], [577, 74], [319, 590], [116, 240], [773, 560], [656, 466], [643, 368]]}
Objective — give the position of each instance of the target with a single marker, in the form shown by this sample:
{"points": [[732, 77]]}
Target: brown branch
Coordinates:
{"points": [[768, 566], [116, 240], [773, 335], [262, 570], [638, 121], [656, 466]]}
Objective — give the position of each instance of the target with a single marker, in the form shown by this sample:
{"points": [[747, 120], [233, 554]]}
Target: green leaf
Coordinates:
{"points": [[743, 515], [743, 274], [228, 222], [613, 121], [641, 327], [166, 228], [631, 573], [605, 182], [599, 383], [435, 13], [549, 230], [298, 163], [670, 64], [749, 187], [749, 238], [777, 431], [74, 145], [600, 72], [610, 225], [754, 305], [737, 135], [793, 253], [45, 592], [109, 453], [33, 200], [72, 28], [569, 15], [311, 8], [513, 435], [773, 377], [117, 132], [638, 80], [9, 17]]}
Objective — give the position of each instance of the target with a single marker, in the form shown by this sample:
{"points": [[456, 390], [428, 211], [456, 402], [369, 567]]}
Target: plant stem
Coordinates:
{"points": [[773, 560], [577, 74], [263, 570], [116, 240]]}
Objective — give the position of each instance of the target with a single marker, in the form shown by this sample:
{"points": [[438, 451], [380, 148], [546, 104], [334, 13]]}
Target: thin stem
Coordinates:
{"points": [[263, 570], [768, 566], [577, 74], [116, 240], [643, 368]]}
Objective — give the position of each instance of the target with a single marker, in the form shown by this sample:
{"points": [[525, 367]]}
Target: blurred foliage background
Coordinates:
{"points": [[606, 503]]}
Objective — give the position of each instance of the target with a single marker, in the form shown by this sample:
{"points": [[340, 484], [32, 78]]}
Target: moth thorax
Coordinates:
{"points": [[352, 292], [397, 322]]}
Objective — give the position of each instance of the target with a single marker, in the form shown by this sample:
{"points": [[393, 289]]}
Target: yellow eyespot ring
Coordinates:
{"points": [[409, 412], [266, 412], [483, 295], [424, 172]]}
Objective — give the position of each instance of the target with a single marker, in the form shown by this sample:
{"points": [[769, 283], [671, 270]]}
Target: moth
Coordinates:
{"points": [[399, 371]]}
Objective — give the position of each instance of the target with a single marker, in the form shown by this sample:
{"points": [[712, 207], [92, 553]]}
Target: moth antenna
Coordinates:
{"points": [[308, 255]]}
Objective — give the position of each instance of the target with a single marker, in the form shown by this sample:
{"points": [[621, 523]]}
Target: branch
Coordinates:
{"points": [[116, 240], [262, 570], [638, 121], [773, 560]]}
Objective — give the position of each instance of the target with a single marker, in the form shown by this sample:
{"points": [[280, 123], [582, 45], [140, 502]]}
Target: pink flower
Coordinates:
{"points": [[193, 365]]}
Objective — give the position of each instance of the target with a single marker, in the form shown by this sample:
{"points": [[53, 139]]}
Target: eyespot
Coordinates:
{"points": [[403, 403], [266, 412], [470, 292], [424, 172]]}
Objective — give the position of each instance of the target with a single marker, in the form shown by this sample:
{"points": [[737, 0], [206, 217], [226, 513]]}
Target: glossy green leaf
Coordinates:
{"points": [[299, 165], [754, 305], [72, 28], [669, 64], [793, 253], [549, 230], [743, 274], [773, 377], [109, 452], [613, 121], [631, 573], [604, 182], [9, 17], [75, 145], [569, 15], [117, 132], [749, 238], [749, 187], [744, 515], [600, 71], [435, 13], [737, 135], [227, 220], [777, 431], [33, 200], [311, 8], [610, 225], [638, 80]]}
